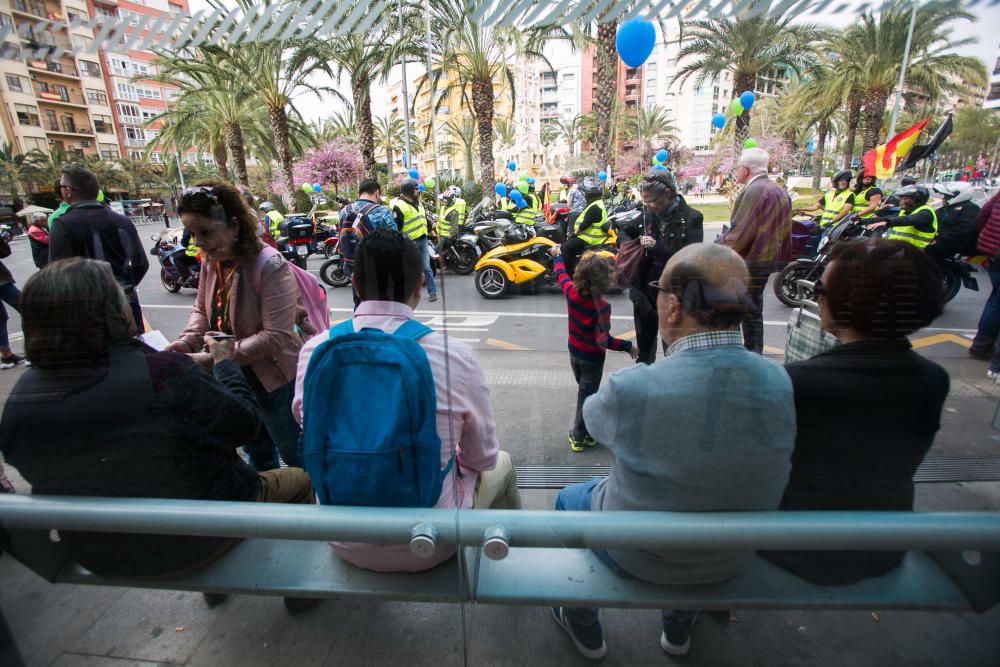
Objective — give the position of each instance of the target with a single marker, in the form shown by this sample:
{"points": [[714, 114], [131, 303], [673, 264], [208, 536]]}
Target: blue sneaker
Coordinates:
{"points": [[589, 640]]}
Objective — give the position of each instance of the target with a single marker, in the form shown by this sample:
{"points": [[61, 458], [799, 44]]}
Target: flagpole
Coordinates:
{"points": [[406, 110], [902, 73]]}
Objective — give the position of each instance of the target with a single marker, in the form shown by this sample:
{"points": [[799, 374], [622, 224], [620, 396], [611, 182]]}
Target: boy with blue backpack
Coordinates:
{"points": [[380, 398], [358, 220]]}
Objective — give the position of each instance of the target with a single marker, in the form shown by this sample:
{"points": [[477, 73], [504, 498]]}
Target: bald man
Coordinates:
{"points": [[710, 427]]}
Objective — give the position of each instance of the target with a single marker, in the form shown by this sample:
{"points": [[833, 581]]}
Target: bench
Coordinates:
{"points": [[525, 557]]}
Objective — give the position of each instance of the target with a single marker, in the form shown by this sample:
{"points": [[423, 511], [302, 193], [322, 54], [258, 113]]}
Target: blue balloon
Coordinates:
{"points": [[512, 165], [603, 175], [413, 173], [719, 120], [531, 180], [317, 187], [659, 167], [500, 189], [420, 187], [517, 198], [661, 155], [747, 98], [635, 41]]}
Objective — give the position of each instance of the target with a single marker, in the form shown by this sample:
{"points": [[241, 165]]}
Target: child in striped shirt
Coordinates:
{"points": [[589, 332]]}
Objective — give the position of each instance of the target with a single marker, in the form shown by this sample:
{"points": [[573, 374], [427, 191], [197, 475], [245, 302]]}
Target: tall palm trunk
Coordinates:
{"points": [[482, 105], [388, 160], [873, 108], [822, 131], [607, 89], [234, 140], [221, 159], [360, 89], [742, 83], [853, 120], [279, 130]]}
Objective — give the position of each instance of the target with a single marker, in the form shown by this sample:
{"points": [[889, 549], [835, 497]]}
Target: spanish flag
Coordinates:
{"points": [[881, 160]]}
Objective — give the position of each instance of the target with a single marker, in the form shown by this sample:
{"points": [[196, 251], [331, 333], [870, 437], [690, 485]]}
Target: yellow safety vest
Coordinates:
{"points": [[860, 203], [414, 219], [444, 225], [192, 250], [526, 216], [275, 219], [912, 234], [595, 234], [832, 203]]}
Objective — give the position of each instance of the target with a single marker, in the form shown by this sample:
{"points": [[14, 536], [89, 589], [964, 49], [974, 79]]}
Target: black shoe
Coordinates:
{"points": [[214, 599], [676, 639], [589, 640], [298, 605], [982, 354]]}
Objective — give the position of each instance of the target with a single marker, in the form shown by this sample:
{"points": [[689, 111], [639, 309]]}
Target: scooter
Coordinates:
{"points": [[167, 249], [296, 239], [957, 272]]}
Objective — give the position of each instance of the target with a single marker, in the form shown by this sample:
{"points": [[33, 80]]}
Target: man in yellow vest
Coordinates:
{"points": [[591, 226], [916, 222], [187, 261], [836, 203], [273, 217], [412, 221], [451, 216], [527, 215]]}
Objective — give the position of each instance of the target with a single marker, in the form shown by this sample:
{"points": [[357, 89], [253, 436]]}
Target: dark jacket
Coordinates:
{"points": [[958, 227], [38, 237], [867, 413], [6, 278], [146, 424], [678, 227], [761, 225], [72, 235]]}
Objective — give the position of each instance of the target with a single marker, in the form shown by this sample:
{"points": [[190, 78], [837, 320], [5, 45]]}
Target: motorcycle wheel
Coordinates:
{"points": [[332, 273], [785, 287], [952, 283], [330, 251], [492, 283], [300, 262], [465, 259], [169, 283]]}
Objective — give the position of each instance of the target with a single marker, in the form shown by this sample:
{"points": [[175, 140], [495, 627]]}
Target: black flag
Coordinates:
{"points": [[921, 151]]}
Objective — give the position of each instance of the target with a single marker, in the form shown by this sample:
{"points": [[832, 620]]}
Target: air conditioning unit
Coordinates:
{"points": [[52, 141], [85, 144]]}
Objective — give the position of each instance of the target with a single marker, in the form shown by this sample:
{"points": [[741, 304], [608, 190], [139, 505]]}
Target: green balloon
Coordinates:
{"points": [[429, 183], [307, 188], [750, 143], [655, 161], [522, 177], [736, 108]]}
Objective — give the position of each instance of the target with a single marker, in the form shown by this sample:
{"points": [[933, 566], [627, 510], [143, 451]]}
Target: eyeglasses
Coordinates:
{"points": [[655, 286], [63, 185], [206, 190]]}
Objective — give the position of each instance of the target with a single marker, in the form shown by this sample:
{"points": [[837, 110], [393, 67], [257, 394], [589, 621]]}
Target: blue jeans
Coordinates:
{"points": [[989, 321], [576, 498], [10, 295], [279, 431], [425, 257]]}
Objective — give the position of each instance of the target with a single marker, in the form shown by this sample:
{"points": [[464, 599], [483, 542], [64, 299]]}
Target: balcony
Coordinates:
{"points": [[59, 97], [54, 69], [67, 127], [30, 8], [107, 3], [132, 142]]}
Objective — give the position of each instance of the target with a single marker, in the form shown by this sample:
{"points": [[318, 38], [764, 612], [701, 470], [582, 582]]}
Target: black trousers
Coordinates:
{"points": [[753, 326], [647, 327]]}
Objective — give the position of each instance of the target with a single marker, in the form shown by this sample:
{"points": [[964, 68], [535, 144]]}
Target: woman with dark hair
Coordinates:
{"points": [[868, 409], [252, 297], [867, 195], [99, 414]]}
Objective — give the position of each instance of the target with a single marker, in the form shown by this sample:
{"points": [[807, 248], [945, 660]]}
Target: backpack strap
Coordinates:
{"points": [[343, 329], [413, 330], [267, 253]]}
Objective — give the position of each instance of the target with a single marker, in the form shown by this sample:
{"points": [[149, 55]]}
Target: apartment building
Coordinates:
{"points": [[53, 102], [993, 94]]}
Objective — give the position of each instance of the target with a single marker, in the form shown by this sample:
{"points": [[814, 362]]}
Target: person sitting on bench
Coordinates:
{"points": [[101, 414], [868, 409], [710, 427]]}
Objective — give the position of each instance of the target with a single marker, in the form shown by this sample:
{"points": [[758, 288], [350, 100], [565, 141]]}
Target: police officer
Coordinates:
{"points": [[836, 203], [412, 221], [591, 227], [916, 222], [273, 217], [526, 215], [451, 216]]}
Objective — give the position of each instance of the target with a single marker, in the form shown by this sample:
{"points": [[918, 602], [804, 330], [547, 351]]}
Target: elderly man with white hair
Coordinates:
{"points": [[761, 232]]}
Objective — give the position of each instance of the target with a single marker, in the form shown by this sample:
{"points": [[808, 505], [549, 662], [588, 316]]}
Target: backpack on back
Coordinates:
{"points": [[312, 293], [353, 456], [352, 232]]}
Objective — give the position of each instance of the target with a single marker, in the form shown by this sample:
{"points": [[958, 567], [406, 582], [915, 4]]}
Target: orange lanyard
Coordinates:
{"points": [[223, 292]]}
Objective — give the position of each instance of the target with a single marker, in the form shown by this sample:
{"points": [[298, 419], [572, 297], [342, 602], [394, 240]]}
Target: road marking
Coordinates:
{"points": [[773, 350], [504, 345], [927, 341], [628, 336]]}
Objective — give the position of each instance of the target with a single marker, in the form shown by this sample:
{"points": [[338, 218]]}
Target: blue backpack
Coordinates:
{"points": [[369, 430]]}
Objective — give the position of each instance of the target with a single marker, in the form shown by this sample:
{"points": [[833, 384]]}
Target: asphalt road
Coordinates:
{"points": [[521, 343]]}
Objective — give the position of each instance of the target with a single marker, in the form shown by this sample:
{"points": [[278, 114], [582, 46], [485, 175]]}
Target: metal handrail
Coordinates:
{"points": [[525, 528]]}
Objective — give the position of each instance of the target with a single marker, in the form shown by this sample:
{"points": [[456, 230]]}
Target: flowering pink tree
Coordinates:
{"points": [[330, 165]]}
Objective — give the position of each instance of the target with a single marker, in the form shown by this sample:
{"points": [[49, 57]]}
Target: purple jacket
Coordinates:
{"points": [[761, 229]]}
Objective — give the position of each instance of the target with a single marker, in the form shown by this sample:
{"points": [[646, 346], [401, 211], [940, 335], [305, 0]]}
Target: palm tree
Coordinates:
{"points": [[654, 126], [140, 175], [478, 54], [505, 135], [746, 45], [464, 133], [19, 170], [810, 102], [872, 54], [339, 124], [606, 82], [389, 133], [570, 130]]}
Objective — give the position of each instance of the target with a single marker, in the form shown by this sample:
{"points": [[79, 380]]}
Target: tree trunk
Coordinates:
{"points": [[279, 130], [482, 105], [853, 120], [388, 162], [606, 82], [221, 159], [824, 128], [742, 133], [874, 107], [360, 90], [234, 140]]}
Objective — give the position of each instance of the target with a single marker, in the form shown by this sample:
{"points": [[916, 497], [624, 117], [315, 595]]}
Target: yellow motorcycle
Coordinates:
{"points": [[522, 259]]}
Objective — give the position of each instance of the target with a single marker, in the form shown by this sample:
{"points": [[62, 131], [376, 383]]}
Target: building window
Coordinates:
{"points": [[126, 91], [102, 124], [15, 83], [26, 115], [90, 68], [105, 13], [145, 92], [129, 113], [175, 9], [126, 15], [109, 152], [651, 99], [35, 144], [82, 43], [155, 157], [97, 97], [6, 21], [148, 115]]}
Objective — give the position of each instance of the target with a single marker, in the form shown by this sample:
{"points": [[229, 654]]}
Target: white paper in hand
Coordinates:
{"points": [[155, 339]]}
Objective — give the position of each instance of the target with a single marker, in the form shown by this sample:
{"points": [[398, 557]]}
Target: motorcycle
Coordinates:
{"points": [[462, 251], [957, 272], [167, 248], [296, 240]]}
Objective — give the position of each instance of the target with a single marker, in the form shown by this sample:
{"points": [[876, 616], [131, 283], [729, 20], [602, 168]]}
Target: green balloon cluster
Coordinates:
{"points": [[307, 188], [429, 182], [736, 107], [750, 143]]}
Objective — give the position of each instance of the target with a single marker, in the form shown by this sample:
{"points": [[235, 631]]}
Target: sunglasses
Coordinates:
{"points": [[655, 286], [204, 190]]}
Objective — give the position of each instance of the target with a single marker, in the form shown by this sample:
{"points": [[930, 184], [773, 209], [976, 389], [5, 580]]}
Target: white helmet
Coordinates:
{"points": [[954, 193], [267, 206]]}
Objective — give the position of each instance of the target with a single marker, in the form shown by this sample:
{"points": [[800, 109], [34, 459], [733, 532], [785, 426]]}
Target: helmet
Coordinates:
{"points": [[908, 180], [954, 193], [408, 187], [267, 206], [566, 180], [455, 191], [919, 193], [516, 234], [592, 187], [843, 174]]}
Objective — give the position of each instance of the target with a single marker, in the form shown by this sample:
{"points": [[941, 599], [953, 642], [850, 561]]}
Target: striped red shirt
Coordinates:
{"points": [[589, 321]]}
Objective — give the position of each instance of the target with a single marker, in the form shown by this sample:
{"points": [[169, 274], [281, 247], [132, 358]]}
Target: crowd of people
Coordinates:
{"points": [[712, 425]]}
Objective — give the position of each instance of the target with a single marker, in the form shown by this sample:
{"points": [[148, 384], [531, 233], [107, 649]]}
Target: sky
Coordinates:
{"points": [[984, 30]]}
